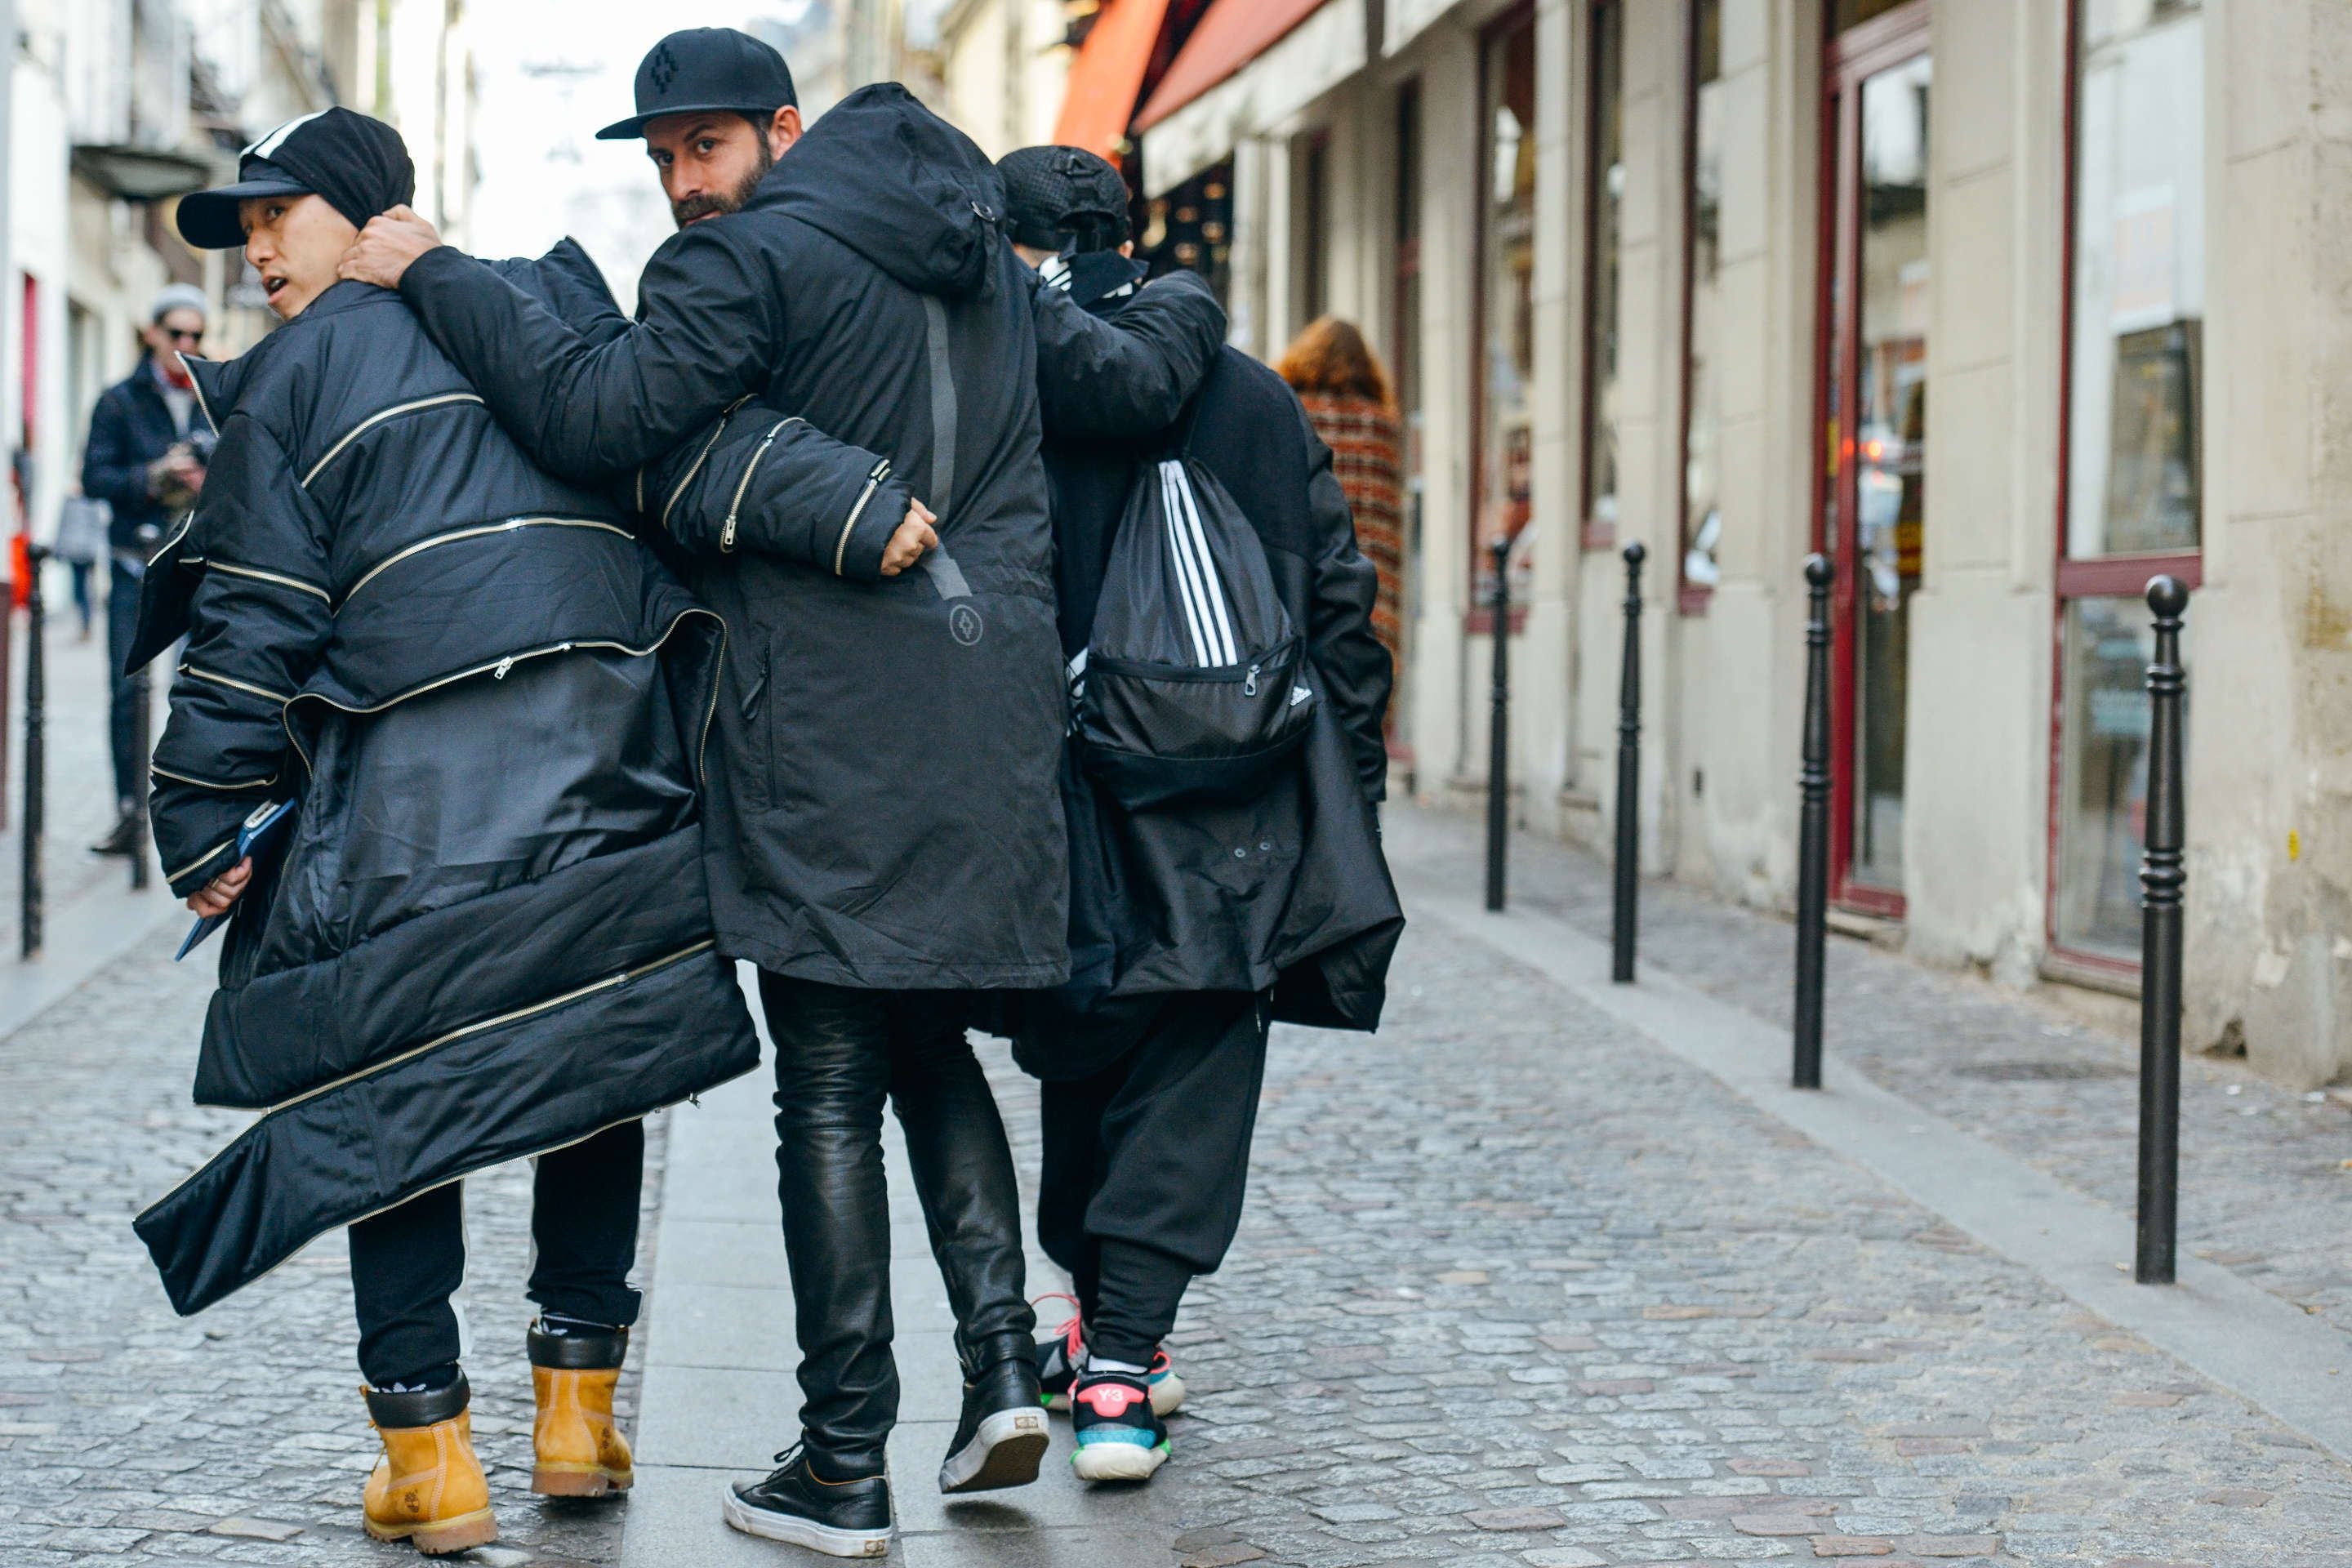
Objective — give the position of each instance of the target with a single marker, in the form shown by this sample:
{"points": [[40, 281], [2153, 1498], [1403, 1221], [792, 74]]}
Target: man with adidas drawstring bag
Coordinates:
{"points": [[1224, 765]]}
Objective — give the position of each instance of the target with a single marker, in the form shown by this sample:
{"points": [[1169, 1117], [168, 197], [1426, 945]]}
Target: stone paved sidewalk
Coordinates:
{"points": [[2265, 1173]]}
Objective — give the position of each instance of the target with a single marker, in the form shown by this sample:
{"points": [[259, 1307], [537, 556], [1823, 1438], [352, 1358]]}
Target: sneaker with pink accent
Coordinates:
{"points": [[1120, 1437], [1060, 1358]]}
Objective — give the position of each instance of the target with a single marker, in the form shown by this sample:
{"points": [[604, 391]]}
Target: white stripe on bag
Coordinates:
{"points": [[1198, 575], [1212, 585], [1186, 589]]}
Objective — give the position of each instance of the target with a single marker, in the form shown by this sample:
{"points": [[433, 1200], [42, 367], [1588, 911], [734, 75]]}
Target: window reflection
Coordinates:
{"points": [[2103, 802], [1608, 198], [1506, 460], [1702, 435]]}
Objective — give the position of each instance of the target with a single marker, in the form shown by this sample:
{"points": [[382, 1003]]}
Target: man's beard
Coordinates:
{"points": [[708, 205]]}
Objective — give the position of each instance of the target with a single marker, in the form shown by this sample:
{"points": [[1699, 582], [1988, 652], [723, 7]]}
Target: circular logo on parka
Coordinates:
{"points": [[964, 625]]}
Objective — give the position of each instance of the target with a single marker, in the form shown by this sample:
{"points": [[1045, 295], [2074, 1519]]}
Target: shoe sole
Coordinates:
{"points": [[1119, 1461], [1004, 1452], [442, 1537], [1167, 1398], [805, 1533], [579, 1481]]}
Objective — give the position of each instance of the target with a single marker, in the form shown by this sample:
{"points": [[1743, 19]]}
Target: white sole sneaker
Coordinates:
{"points": [[808, 1532], [1004, 1452], [1119, 1461]]}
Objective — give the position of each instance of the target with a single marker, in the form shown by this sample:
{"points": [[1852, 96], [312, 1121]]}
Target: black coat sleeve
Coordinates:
{"points": [[592, 409], [258, 623], [112, 467], [760, 480], [1131, 375], [1355, 667]]}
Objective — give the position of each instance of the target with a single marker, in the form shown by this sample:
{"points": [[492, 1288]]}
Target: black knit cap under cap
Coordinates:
{"points": [[359, 165], [1054, 196], [705, 70]]}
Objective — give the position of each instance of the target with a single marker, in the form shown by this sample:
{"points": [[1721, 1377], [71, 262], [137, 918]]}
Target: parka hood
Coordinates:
{"points": [[898, 186]]}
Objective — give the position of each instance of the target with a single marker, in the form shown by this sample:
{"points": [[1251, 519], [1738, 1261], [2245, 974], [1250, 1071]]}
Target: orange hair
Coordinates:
{"points": [[1331, 355]]}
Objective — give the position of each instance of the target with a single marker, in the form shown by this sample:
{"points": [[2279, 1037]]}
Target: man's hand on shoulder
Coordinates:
{"points": [[389, 242]]}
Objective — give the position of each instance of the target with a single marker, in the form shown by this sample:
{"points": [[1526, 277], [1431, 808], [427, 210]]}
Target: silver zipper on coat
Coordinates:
{"points": [[373, 420], [235, 685], [260, 576], [609, 982], [164, 773], [696, 467], [873, 482], [734, 507], [458, 535]]}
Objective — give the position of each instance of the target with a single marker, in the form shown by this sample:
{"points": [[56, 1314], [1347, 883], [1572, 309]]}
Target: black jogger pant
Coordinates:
{"points": [[121, 704], [1146, 1162], [408, 1261], [839, 1054]]}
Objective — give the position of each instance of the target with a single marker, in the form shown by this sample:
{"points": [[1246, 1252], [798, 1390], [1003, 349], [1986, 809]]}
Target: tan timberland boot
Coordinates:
{"points": [[577, 1451], [428, 1489]]}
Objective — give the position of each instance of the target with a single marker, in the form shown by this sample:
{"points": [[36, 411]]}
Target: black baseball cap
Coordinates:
{"points": [[1055, 195], [360, 165], [703, 69]]}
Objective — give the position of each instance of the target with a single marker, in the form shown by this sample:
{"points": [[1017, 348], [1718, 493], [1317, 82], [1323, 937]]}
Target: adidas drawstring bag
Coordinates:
{"points": [[1194, 686]]}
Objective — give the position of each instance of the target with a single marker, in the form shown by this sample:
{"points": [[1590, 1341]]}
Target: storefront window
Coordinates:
{"points": [[2138, 302], [1608, 198], [2133, 460], [1192, 228], [1506, 428], [2103, 786], [1702, 318]]}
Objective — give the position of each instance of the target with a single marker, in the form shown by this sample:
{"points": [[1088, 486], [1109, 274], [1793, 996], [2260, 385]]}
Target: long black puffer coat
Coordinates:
{"points": [[1290, 890], [885, 812], [488, 933]]}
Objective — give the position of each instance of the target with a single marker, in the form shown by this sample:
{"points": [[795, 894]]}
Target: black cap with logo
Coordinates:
{"points": [[359, 165], [1064, 195], [704, 70]]}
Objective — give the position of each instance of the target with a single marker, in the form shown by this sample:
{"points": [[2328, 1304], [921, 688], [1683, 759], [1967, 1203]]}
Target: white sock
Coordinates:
{"points": [[1096, 1364]]}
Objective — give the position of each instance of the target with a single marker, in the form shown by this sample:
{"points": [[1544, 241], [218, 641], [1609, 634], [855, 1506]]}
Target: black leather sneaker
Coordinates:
{"points": [[1002, 1437], [795, 1504]]}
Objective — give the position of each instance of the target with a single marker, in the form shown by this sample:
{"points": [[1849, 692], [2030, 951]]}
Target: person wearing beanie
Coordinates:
{"points": [[1151, 1056], [146, 460], [384, 604], [886, 764]]}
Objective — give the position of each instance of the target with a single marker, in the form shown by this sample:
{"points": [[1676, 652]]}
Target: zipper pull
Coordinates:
{"points": [[1249, 686], [727, 535], [504, 664]]}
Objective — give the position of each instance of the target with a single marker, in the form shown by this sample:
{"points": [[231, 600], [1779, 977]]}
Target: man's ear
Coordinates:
{"points": [[783, 130]]}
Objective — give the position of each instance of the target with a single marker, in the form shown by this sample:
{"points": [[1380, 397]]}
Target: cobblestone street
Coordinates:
{"points": [[1515, 1286]]}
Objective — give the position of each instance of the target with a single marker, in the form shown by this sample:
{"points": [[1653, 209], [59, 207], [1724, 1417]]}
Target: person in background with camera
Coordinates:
{"points": [[145, 458]]}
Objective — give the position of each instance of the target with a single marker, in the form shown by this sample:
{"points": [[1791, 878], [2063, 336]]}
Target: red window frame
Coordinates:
{"points": [[1848, 59], [2100, 577]]}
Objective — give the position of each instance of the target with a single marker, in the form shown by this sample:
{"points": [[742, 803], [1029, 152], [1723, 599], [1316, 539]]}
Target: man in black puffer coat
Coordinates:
{"points": [[1193, 927], [887, 828], [487, 934]]}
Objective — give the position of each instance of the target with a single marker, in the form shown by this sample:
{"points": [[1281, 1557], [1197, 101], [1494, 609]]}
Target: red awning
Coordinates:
{"points": [[1232, 34], [1107, 75]]}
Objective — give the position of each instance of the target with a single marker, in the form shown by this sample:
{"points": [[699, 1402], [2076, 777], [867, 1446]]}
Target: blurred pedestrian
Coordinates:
{"points": [[482, 932], [146, 455], [1353, 405], [82, 522], [1195, 922]]}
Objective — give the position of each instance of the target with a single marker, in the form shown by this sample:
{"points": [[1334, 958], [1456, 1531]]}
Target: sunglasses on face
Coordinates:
{"points": [[179, 336]]}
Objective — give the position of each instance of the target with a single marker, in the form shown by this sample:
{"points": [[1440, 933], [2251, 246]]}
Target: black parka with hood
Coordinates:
{"points": [[884, 808], [487, 934]]}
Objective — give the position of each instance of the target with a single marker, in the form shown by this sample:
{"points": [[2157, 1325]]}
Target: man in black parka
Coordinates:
{"points": [[886, 831], [1192, 926]]}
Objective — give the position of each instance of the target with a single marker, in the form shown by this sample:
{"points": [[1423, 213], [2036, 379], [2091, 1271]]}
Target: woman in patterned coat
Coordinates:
{"points": [[1353, 408]]}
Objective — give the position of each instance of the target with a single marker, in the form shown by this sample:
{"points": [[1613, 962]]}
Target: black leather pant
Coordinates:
{"points": [[839, 1053]]}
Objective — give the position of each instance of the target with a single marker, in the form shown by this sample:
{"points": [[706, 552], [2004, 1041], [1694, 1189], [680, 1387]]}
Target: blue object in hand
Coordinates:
{"points": [[262, 831]]}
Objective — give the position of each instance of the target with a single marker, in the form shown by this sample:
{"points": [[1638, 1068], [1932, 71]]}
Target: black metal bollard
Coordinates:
{"points": [[1814, 827], [31, 884], [1629, 774], [2163, 878], [1499, 737]]}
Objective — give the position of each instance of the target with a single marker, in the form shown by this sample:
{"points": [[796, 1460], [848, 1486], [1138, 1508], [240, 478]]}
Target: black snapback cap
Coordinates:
{"points": [[704, 70], [1054, 194], [358, 165]]}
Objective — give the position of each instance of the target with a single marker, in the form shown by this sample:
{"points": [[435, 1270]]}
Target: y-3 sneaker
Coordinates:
{"points": [[1061, 1357], [795, 1504], [1120, 1437]]}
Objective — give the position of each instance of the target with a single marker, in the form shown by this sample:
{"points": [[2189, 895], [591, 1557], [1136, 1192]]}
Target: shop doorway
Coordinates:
{"points": [[1872, 419]]}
